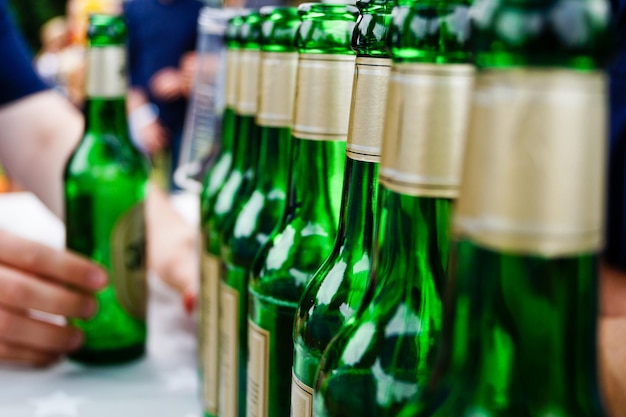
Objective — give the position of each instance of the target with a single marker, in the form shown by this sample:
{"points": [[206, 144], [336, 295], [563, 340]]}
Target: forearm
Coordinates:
{"points": [[39, 133]]}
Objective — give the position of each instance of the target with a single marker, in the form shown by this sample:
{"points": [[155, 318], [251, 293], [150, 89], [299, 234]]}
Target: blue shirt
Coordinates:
{"points": [[17, 75], [159, 34]]}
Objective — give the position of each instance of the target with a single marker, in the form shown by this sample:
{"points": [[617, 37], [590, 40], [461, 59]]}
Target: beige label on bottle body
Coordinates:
{"points": [[107, 72], [367, 113], [258, 371], [534, 170], [248, 93], [277, 88], [323, 96], [425, 128], [128, 262], [229, 348], [232, 77], [301, 398], [210, 337]]}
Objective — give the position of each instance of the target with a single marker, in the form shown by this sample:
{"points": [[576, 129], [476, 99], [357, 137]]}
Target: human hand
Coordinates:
{"points": [[167, 84], [188, 65], [36, 277], [612, 340], [172, 248], [153, 137]]}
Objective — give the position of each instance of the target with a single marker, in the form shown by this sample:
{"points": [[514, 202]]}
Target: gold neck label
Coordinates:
{"points": [[323, 96], [369, 98], [249, 69], [425, 128], [232, 77], [278, 88], [533, 180], [107, 72]]}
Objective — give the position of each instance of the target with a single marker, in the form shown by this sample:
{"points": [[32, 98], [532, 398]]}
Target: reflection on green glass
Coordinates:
{"points": [[519, 329], [308, 227], [374, 364], [335, 291], [259, 215], [105, 187]]}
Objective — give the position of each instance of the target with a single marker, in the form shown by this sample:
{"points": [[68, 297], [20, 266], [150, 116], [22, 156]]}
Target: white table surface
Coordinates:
{"points": [[163, 384]]}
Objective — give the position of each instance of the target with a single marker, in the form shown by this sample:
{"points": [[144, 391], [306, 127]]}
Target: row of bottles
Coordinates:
{"points": [[405, 213]]}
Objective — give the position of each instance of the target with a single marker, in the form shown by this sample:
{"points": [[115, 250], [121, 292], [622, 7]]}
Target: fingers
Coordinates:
{"points": [[23, 291], [42, 260], [21, 355], [50, 339], [612, 292], [612, 361]]}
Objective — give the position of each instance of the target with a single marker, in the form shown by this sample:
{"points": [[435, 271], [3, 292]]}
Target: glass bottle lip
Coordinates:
{"points": [[313, 11], [106, 29]]}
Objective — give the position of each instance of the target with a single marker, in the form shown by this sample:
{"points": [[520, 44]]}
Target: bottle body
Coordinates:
{"points": [[335, 292], [387, 351], [260, 212], [308, 227], [527, 233], [105, 190]]}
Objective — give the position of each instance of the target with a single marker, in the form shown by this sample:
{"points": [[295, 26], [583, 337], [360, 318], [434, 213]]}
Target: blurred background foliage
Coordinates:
{"points": [[31, 14]]}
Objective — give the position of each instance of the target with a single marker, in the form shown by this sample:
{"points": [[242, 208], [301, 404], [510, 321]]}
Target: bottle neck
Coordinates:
{"points": [[411, 254], [107, 115], [317, 175], [274, 159], [246, 146], [358, 207], [524, 332], [105, 107]]}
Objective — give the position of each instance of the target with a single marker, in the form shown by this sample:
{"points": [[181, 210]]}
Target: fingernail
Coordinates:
{"points": [[97, 279], [89, 308], [189, 301], [76, 339]]}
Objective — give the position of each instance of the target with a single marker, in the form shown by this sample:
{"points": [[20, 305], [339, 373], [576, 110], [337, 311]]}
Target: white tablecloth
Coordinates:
{"points": [[163, 384]]}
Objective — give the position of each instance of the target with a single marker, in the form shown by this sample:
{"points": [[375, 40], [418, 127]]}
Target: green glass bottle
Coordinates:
{"points": [[305, 236], [214, 180], [334, 293], [216, 173], [105, 190], [381, 357], [249, 229], [520, 329]]}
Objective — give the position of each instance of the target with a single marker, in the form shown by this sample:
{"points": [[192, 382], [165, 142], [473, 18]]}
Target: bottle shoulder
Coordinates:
{"points": [[104, 157]]}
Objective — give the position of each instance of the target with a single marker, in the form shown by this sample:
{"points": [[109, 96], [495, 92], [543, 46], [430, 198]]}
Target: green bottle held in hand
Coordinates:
{"points": [[520, 329], [384, 355], [249, 227], [335, 292], [308, 227], [214, 180], [105, 190]]}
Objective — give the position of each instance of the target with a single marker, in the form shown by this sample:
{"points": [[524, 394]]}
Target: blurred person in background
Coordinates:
{"points": [[54, 39], [162, 40], [39, 128]]}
